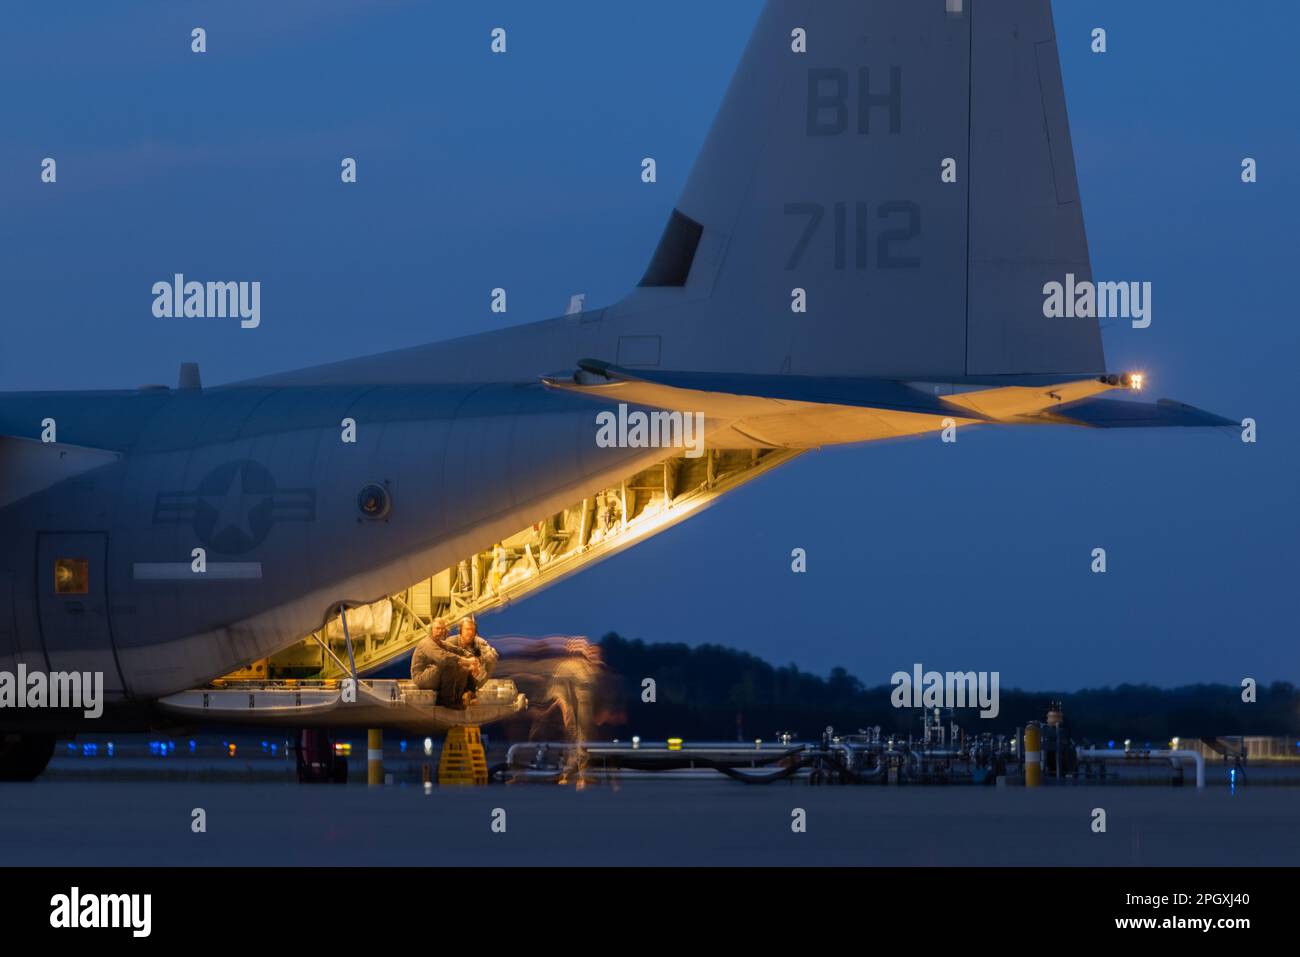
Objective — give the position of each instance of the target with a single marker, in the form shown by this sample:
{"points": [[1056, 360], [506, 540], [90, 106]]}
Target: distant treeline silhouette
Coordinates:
{"points": [[710, 692]]}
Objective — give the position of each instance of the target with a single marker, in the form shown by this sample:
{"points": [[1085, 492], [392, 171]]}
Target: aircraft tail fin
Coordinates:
{"points": [[900, 169]]}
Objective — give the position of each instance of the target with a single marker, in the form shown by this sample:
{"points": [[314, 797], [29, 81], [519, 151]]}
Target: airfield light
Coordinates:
{"points": [[674, 744], [1175, 744], [231, 748], [636, 741]]}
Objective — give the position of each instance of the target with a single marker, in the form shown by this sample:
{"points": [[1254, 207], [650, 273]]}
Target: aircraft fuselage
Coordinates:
{"points": [[232, 522]]}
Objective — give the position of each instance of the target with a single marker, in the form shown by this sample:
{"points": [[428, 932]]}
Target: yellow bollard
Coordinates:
{"points": [[375, 756], [1033, 755]]}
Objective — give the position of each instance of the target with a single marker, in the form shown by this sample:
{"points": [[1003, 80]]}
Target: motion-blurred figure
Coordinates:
{"points": [[561, 677]]}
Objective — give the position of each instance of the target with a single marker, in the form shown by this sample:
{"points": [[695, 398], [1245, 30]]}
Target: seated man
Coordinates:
{"points": [[428, 657], [453, 667], [468, 663]]}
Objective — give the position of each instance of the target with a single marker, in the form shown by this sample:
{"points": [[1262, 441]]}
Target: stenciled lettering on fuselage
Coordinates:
{"points": [[235, 507]]}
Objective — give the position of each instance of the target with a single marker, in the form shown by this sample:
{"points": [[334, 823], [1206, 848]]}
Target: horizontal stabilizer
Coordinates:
{"points": [[1121, 414], [710, 391]]}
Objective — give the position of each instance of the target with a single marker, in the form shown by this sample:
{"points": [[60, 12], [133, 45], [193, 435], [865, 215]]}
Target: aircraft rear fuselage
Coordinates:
{"points": [[268, 484]]}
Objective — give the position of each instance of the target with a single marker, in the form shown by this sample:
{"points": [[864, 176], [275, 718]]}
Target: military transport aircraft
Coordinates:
{"points": [[861, 252]]}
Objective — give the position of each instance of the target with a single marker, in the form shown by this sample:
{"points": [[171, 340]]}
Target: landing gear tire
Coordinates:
{"points": [[24, 756]]}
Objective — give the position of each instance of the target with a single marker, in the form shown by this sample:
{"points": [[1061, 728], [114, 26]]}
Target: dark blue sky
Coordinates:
{"points": [[522, 171]]}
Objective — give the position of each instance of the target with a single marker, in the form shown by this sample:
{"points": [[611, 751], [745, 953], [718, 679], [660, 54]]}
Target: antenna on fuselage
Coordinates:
{"points": [[189, 378]]}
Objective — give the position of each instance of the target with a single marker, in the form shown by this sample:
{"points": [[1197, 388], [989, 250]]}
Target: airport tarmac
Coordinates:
{"points": [[63, 822]]}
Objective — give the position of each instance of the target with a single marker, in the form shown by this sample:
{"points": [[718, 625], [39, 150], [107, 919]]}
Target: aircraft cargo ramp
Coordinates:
{"points": [[541, 554], [378, 703]]}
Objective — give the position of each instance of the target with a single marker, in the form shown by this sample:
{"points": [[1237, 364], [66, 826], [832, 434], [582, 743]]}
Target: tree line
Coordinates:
{"points": [[710, 692]]}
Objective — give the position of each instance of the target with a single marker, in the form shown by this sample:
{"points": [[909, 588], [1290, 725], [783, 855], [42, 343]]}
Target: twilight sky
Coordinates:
{"points": [[522, 171]]}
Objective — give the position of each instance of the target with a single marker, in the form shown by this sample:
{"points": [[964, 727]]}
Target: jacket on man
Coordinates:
{"points": [[429, 660], [426, 662]]}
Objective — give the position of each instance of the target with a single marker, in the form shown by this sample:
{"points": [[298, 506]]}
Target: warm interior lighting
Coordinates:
{"points": [[71, 576], [544, 551]]}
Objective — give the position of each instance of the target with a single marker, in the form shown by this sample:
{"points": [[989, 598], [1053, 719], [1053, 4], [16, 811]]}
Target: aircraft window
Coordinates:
{"points": [[675, 253], [71, 576], [374, 501]]}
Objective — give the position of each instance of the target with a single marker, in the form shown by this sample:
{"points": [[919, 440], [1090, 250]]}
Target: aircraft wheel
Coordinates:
{"points": [[24, 756]]}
